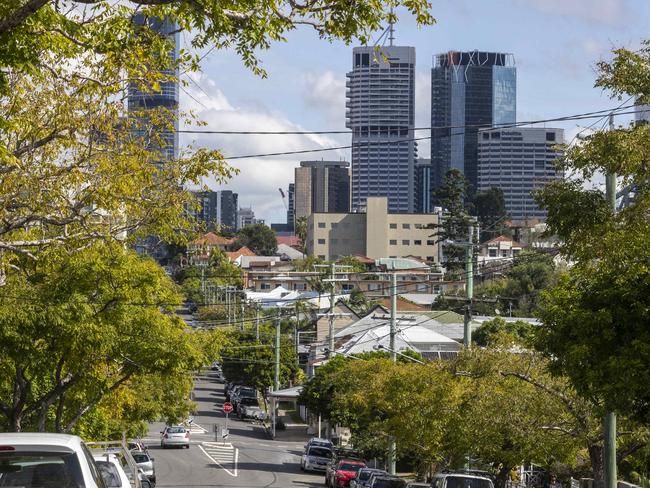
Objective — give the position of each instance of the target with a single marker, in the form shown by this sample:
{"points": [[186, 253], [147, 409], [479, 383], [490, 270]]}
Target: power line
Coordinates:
{"points": [[579, 116]]}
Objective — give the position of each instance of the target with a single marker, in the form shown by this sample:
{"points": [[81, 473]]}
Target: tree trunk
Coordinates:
{"points": [[597, 461], [502, 476]]}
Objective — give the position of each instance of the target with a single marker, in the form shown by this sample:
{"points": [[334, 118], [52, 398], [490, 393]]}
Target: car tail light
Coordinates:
{"points": [[7, 448]]}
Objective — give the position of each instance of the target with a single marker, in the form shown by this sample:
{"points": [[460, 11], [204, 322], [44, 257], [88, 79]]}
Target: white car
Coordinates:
{"points": [[175, 435], [316, 458], [112, 471], [42, 460]]}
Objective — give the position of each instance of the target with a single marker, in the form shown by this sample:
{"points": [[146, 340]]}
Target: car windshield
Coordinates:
{"points": [[466, 482], [388, 483], [250, 402], [320, 452], [109, 474], [247, 393], [365, 474], [176, 430], [40, 470], [140, 457], [350, 467]]}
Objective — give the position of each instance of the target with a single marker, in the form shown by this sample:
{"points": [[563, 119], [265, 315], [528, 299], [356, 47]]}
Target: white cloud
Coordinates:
{"points": [[259, 178], [609, 12], [325, 92]]}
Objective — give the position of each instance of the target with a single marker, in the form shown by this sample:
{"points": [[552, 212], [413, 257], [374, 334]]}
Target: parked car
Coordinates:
{"points": [[339, 473], [317, 441], [112, 471], [175, 435], [316, 458], [363, 477], [145, 464], [39, 459], [386, 481], [136, 445], [242, 392], [461, 480], [249, 408]]}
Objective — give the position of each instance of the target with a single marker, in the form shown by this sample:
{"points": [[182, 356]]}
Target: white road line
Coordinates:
{"points": [[217, 453]]}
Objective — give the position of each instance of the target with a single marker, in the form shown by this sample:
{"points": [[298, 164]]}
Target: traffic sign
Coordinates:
{"points": [[227, 407]]}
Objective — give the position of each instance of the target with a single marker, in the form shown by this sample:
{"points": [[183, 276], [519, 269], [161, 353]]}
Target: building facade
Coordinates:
{"points": [[217, 209], [469, 90], [380, 113], [375, 233], [246, 216], [321, 186], [519, 162], [422, 185], [164, 102], [291, 207]]}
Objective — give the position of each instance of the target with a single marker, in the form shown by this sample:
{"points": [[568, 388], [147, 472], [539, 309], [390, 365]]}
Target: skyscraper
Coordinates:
{"points": [[164, 101], [380, 113], [422, 186], [218, 209], [321, 186], [519, 161], [468, 90]]}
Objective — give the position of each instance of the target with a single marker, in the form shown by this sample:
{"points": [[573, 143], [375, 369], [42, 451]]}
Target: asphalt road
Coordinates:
{"points": [[248, 459]]}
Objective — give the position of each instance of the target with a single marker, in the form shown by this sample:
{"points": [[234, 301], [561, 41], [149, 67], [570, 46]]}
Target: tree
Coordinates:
{"points": [[490, 207], [259, 238], [301, 232], [78, 329], [518, 331], [452, 197], [595, 318]]}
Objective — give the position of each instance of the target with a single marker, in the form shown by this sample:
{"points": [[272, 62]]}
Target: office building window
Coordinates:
{"points": [[393, 226], [417, 242], [321, 225], [393, 242], [321, 241], [321, 256], [430, 243], [406, 226], [405, 242]]}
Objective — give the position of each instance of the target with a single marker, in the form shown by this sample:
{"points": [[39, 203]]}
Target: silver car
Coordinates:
{"points": [[175, 435], [145, 464], [316, 459]]}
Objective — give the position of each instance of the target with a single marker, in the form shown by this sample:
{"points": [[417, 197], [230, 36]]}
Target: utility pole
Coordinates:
{"points": [[609, 422], [257, 323], [469, 287], [276, 382], [331, 315], [392, 448]]}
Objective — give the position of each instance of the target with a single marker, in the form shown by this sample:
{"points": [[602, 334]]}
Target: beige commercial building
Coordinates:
{"points": [[375, 233]]}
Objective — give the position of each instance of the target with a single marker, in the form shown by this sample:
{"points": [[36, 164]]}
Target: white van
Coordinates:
{"points": [[460, 480]]}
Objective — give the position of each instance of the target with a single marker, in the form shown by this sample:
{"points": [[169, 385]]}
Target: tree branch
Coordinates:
{"points": [[16, 18]]}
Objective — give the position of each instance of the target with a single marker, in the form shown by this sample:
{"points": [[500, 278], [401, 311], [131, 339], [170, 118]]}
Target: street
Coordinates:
{"points": [[247, 459]]}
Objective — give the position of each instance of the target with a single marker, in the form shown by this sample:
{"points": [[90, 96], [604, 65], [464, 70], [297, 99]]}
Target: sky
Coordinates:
{"points": [[556, 45]]}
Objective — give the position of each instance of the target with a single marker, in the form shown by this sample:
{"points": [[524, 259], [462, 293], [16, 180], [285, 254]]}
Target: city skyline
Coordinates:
{"points": [[555, 78]]}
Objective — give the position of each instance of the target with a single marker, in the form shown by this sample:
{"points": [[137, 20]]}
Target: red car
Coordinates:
{"points": [[339, 475]]}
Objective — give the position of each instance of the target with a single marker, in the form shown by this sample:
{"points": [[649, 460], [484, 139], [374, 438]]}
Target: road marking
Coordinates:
{"points": [[197, 429], [222, 455]]}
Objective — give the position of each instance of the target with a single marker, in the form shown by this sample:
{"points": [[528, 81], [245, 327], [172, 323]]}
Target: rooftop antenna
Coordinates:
{"points": [[391, 29]]}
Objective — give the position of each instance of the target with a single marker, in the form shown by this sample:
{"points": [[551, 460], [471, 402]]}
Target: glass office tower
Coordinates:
{"points": [[469, 90], [380, 113]]}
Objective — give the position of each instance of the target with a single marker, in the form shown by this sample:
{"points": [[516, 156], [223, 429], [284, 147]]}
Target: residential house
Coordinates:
{"points": [[200, 250], [498, 251]]}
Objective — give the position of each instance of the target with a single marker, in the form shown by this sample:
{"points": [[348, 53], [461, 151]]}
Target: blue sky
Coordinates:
{"points": [[556, 44]]}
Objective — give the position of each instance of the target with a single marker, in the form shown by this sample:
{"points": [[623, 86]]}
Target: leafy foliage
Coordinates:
{"points": [[492, 330], [490, 208], [259, 238]]}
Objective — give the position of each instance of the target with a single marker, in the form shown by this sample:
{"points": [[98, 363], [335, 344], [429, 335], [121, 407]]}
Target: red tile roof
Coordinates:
{"points": [[289, 240], [242, 251], [212, 239]]}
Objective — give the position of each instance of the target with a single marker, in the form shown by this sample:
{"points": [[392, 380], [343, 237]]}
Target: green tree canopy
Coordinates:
{"points": [[595, 319], [79, 328], [259, 238], [490, 208]]}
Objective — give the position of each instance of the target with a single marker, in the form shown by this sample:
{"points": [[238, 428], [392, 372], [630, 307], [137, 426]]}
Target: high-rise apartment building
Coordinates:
{"points": [[380, 112], [165, 138], [246, 216], [519, 161], [321, 186], [469, 90], [422, 175], [217, 209], [291, 207]]}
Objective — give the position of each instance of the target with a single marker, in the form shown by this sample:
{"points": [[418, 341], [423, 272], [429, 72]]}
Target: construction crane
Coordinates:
{"points": [[284, 199]]}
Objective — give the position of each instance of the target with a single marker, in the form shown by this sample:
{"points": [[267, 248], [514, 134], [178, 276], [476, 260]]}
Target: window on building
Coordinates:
{"points": [[406, 226], [321, 225], [504, 253], [492, 253], [429, 258], [417, 242], [406, 242], [393, 242], [334, 225], [265, 286], [392, 226], [321, 241], [550, 136], [431, 243], [321, 256], [496, 135]]}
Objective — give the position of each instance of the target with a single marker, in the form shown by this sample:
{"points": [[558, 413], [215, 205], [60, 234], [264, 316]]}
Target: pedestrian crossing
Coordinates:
{"points": [[197, 429], [224, 455]]}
